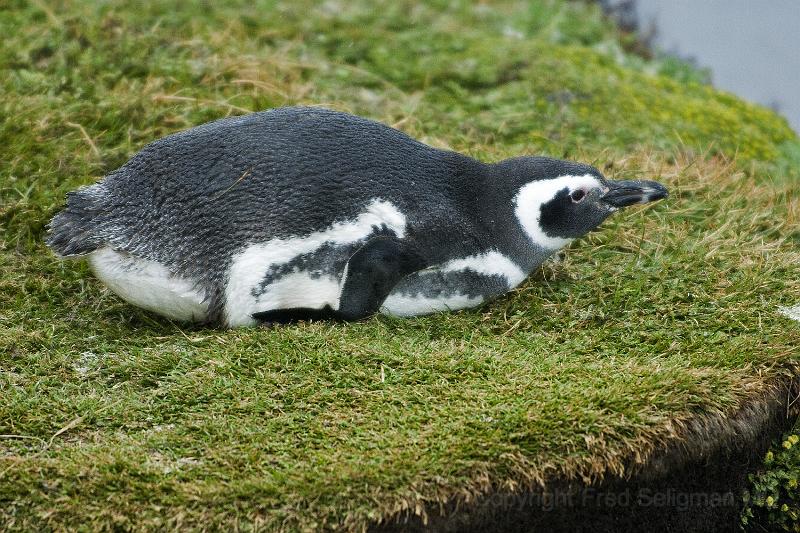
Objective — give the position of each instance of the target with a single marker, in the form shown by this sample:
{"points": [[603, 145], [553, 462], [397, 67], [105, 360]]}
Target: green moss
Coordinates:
{"points": [[663, 316]]}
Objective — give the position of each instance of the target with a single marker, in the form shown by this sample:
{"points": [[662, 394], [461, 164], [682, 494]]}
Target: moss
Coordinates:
{"points": [[121, 419]]}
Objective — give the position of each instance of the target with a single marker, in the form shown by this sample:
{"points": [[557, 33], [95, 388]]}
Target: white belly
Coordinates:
{"points": [[244, 294], [403, 305], [149, 285], [409, 299]]}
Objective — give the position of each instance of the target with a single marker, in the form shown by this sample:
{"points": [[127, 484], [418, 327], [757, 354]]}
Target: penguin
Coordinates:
{"points": [[301, 213]]}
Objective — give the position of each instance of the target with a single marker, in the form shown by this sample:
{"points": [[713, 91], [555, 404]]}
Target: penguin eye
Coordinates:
{"points": [[577, 195]]}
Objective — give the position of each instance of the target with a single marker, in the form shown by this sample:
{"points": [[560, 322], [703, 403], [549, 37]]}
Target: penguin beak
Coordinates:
{"points": [[623, 193]]}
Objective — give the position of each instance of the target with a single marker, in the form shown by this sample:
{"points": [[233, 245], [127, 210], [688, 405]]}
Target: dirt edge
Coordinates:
{"points": [[695, 483]]}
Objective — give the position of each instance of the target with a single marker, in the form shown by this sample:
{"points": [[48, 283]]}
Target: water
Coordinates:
{"points": [[752, 47]]}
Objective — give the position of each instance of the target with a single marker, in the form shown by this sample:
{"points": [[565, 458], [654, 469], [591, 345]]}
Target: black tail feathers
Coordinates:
{"points": [[73, 231]]}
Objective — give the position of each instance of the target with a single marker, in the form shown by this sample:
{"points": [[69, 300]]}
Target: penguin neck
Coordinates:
{"points": [[502, 220]]}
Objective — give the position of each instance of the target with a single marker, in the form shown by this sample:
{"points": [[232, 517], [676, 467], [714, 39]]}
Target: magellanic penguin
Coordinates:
{"points": [[299, 213]]}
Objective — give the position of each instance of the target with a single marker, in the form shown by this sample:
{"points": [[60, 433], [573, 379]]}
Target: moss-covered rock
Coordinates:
{"points": [[641, 338]]}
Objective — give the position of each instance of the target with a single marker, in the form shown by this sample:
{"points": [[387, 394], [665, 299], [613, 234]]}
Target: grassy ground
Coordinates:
{"points": [[111, 417]]}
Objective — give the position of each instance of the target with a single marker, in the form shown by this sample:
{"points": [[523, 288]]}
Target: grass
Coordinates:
{"points": [[113, 418]]}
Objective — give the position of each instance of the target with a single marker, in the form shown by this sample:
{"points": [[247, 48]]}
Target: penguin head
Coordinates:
{"points": [[557, 201]]}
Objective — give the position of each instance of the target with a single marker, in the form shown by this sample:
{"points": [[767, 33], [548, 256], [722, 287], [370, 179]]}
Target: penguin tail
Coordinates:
{"points": [[74, 231]]}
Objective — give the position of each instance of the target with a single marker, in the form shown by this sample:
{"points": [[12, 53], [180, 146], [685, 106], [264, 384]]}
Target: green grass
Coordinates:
{"points": [[112, 417]]}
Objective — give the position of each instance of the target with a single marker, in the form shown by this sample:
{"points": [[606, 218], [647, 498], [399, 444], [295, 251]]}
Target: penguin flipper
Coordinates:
{"points": [[371, 274]]}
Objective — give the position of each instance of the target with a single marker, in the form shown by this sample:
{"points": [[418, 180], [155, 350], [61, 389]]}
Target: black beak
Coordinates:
{"points": [[623, 193]]}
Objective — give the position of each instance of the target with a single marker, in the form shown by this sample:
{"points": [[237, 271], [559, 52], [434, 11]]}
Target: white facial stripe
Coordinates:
{"points": [[531, 197], [149, 285], [402, 305], [251, 265], [491, 263]]}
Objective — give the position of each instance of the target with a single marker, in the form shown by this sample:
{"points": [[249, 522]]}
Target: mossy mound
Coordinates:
{"points": [[603, 362]]}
